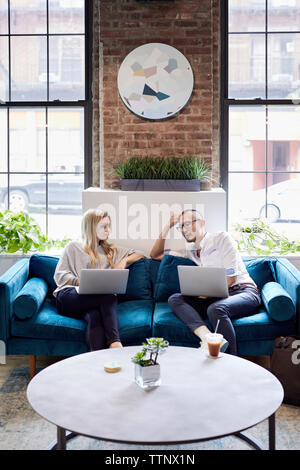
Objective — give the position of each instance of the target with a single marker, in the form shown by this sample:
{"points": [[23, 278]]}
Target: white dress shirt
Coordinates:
{"points": [[217, 250]]}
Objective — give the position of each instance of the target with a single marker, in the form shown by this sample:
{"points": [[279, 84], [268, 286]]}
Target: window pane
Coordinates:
{"points": [[283, 15], [247, 15], [28, 17], [244, 202], [28, 68], [4, 69], [67, 68], [3, 192], [3, 17], [246, 66], [3, 140], [283, 197], [66, 16], [247, 140], [66, 139], [284, 141], [27, 140], [64, 219], [28, 193], [284, 66], [279, 205]]}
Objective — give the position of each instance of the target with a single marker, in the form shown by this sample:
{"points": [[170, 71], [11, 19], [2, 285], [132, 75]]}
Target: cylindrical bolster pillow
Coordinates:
{"points": [[278, 302], [30, 298]]}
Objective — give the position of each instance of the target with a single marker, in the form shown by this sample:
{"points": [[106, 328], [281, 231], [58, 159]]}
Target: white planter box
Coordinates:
{"points": [[139, 216], [9, 259]]}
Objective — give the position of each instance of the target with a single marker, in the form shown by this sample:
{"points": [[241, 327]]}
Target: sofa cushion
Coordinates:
{"points": [[167, 282], [44, 267], [166, 325], [257, 327], [30, 298], [139, 282], [261, 270], [48, 324], [154, 266], [138, 286], [134, 323], [261, 327], [277, 302], [135, 320]]}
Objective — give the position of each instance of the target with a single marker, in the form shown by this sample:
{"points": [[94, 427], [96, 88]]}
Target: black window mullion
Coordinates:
{"points": [[88, 108], [8, 160], [9, 55], [47, 186], [266, 51], [48, 71]]}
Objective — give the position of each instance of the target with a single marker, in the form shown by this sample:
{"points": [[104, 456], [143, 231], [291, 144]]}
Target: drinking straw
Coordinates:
{"points": [[217, 326]]}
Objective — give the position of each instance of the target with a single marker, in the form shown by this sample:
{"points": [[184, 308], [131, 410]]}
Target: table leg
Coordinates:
{"points": [[272, 432], [61, 439]]}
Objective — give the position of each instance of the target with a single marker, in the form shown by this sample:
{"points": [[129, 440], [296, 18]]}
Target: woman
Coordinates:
{"points": [[99, 311]]}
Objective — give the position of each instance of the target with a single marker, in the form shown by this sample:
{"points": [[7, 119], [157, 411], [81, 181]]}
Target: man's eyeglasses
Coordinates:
{"points": [[185, 225]]}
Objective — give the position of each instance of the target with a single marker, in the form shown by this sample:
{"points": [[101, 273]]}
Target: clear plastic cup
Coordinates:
{"points": [[214, 341]]}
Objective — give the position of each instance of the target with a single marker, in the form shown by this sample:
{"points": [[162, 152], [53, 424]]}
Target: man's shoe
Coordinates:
{"points": [[224, 345]]}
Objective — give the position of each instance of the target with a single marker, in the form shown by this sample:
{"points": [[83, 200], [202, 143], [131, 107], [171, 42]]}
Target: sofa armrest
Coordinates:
{"points": [[289, 277], [11, 283]]}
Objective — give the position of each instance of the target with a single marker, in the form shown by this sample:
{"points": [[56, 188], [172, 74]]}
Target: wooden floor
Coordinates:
{"points": [[44, 361]]}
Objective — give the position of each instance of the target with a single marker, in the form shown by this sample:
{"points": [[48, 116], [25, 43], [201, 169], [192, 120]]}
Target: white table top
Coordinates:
{"points": [[200, 398]]}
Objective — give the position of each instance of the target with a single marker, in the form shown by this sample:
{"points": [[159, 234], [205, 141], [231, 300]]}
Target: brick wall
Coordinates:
{"points": [[191, 26]]}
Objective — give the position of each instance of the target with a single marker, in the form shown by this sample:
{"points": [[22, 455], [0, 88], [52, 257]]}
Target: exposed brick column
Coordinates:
{"points": [[192, 27]]}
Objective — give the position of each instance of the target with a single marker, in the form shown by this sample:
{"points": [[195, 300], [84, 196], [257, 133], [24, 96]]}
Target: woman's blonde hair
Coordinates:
{"points": [[89, 222]]}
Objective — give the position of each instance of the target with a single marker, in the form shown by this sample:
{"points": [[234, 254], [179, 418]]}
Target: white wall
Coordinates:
{"points": [[138, 216]]}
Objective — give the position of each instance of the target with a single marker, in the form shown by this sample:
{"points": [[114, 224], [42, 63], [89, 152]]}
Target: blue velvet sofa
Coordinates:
{"points": [[30, 324]]}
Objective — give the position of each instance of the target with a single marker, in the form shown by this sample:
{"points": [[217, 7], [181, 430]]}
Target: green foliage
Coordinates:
{"points": [[185, 168], [19, 232], [153, 346], [259, 238]]}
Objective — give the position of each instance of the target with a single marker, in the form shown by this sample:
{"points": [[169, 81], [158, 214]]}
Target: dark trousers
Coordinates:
{"points": [[192, 311], [99, 312]]}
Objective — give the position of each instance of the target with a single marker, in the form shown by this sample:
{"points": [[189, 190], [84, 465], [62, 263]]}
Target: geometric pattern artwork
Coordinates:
{"points": [[155, 81]]}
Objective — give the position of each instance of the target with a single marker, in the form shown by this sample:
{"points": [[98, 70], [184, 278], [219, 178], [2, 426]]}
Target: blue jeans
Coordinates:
{"points": [[99, 311], [241, 302]]}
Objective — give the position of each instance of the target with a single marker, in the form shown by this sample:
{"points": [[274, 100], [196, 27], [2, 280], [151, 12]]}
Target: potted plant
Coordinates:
{"points": [[19, 235], [147, 173], [147, 371], [259, 238]]}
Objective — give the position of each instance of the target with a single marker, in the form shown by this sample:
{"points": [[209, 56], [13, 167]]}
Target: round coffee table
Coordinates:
{"points": [[199, 399]]}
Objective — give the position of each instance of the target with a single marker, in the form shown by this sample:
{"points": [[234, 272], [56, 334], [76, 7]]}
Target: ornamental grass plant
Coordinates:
{"points": [[149, 167]]}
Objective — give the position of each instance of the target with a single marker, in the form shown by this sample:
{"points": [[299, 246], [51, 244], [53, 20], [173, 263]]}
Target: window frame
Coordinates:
{"points": [[85, 104], [225, 102]]}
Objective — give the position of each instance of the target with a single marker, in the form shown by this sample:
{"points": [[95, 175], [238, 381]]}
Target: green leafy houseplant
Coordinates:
{"points": [[259, 238], [153, 346], [149, 167], [20, 233]]}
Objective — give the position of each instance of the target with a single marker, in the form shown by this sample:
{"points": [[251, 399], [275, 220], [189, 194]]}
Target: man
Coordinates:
{"points": [[215, 250]]}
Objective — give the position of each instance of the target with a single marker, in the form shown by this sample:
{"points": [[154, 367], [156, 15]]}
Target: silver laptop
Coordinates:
{"points": [[198, 280], [103, 281]]}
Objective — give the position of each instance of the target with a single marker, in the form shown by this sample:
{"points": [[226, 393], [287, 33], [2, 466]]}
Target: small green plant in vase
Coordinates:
{"points": [[147, 370]]}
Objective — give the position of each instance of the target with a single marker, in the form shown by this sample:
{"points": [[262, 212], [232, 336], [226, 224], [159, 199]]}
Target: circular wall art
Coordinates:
{"points": [[155, 81]]}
